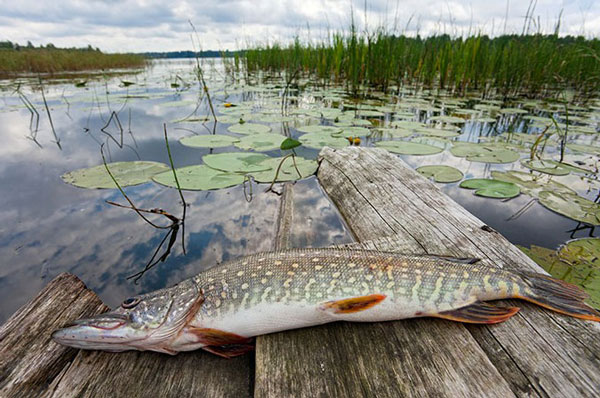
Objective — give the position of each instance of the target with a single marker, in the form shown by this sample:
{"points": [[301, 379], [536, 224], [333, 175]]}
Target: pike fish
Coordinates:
{"points": [[221, 309]]}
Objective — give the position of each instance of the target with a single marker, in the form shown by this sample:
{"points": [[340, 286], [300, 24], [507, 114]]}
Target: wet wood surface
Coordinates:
{"points": [[388, 207]]}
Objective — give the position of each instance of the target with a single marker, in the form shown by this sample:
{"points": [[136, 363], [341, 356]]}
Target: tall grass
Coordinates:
{"points": [[43, 60], [533, 65]]}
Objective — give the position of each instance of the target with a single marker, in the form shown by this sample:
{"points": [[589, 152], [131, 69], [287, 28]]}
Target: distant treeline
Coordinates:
{"points": [[192, 54], [16, 59], [534, 65]]}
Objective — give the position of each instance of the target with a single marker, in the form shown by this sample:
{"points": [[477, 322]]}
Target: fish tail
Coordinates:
{"points": [[557, 295]]}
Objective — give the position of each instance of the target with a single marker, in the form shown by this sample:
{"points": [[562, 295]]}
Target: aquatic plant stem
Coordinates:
{"points": [[123, 192], [178, 189]]}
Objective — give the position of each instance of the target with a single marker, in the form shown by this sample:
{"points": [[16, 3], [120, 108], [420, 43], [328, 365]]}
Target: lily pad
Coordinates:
{"points": [[531, 184], [576, 263], [491, 188], [408, 148], [546, 166], [199, 178], [320, 129], [261, 142], [209, 141], [572, 206], [592, 150], [447, 119], [319, 140], [236, 162], [396, 132], [433, 132], [442, 174], [287, 171], [249, 128], [289, 143], [354, 132], [126, 174], [486, 153]]}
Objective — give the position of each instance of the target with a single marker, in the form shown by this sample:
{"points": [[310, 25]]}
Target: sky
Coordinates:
{"points": [[151, 25]]}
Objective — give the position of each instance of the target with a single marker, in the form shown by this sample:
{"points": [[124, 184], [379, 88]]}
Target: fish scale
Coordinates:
{"points": [[221, 309]]}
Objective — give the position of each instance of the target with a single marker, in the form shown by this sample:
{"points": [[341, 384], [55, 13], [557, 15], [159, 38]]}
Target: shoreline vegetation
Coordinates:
{"points": [[16, 60], [533, 65]]}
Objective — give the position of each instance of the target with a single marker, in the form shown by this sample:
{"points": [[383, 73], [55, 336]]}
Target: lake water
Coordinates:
{"points": [[49, 227]]}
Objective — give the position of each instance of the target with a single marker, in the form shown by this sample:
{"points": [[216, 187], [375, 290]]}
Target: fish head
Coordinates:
{"points": [[144, 322]]}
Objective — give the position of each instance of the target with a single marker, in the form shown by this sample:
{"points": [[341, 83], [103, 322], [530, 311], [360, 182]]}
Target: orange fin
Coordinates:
{"points": [[354, 304], [216, 337], [479, 312], [229, 350], [559, 296]]}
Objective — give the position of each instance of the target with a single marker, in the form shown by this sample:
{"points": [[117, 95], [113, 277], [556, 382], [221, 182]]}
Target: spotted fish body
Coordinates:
{"points": [[269, 292]]}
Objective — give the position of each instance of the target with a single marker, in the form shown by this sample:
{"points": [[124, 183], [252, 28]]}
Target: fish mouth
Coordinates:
{"points": [[107, 332]]}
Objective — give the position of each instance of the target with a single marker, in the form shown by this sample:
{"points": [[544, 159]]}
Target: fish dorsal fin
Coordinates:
{"points": [[352, 304], [462, 260], [479, 312]]}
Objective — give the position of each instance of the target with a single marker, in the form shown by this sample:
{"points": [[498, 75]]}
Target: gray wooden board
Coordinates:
{"points": [[537, 351]]}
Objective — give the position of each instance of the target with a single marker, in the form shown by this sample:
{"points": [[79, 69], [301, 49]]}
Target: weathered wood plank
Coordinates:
{"points": [[418, 357], [29, 360], [538, 350]]}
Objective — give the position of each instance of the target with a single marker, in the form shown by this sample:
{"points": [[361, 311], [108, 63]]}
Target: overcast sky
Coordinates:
{"points": [[151, 25]]}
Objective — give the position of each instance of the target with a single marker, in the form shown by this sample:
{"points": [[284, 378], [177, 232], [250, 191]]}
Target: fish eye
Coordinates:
{"points": [[130, 302]]}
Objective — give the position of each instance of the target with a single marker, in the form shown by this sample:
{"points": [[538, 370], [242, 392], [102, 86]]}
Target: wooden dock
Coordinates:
{"points": [[387, 206]]}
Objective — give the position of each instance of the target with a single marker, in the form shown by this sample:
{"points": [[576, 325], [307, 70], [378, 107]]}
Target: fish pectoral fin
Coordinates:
{"points": [[222, 343], [217, 337], [353, 304], [229, 350], [479, 312]]}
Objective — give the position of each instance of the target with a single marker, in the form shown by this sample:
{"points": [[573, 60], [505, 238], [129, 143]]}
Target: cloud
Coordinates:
{"points": [[149, 25]]}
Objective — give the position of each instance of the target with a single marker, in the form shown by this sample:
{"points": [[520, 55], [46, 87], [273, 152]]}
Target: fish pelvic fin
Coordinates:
{"points": [[479, 312], [557, 295], [353, 304]]}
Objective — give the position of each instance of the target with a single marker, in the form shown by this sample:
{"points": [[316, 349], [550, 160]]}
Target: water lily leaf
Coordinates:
{"points": [[409, 125], [261, 142], [549, 167], [491, 188], [592, 150], [396, 132], [265, 118], [249, 128], [236, 162], [408, 148], [433, 132], [289, 143], [209, 141], [319, 140], [531, 184], [199, 178], [512, 111], [485, 120], [447, 119], [574, 263], [572, 206], [320, 129], [126, 174], [353, 122], [441, 173], [370, 113], [288, 171], [354, 132], [486, 153]]}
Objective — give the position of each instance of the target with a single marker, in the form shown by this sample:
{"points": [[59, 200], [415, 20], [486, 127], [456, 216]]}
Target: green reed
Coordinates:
{"points": [[533, 65], [54, 60]]}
